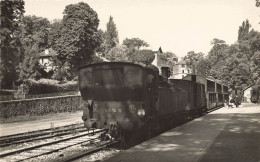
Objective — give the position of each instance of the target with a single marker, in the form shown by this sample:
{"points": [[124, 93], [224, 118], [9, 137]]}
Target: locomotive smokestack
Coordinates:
{"points": [[165, 72], [193, 78]]}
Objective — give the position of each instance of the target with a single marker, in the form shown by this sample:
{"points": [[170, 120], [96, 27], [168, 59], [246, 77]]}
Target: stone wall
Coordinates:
{"points": [[40, 106]]}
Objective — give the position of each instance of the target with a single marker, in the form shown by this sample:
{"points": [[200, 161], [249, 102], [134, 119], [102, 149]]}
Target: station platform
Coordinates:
{"points": [[45, 122], [224, 135]]}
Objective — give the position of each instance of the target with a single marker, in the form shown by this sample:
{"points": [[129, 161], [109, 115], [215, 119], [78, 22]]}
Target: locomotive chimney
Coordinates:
{"points": [[193, 78], [165, 72]]}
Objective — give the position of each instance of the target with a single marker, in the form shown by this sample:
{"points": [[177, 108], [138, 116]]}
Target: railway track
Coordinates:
{"points": [[40, 135], [89, 151], [38, 150]]}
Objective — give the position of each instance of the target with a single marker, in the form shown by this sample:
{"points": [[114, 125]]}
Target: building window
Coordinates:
{"points": [[188, 71], [182, 71], [182, 65], [182, 76]]}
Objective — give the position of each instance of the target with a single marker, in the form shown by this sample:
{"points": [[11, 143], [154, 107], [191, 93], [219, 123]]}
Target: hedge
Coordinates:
{"points": [[44, 86], [40, 106]]}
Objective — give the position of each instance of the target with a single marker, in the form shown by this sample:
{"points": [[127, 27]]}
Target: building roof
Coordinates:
{"points": [[48, 53]]}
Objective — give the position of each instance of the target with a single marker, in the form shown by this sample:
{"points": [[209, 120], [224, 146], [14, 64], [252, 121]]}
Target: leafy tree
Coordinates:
{"points": [[111, 34], [11, 13], [166, 59], [144, 57], [34, 36], [216, 53], [243, 30], [102, 49], [192, 59], [78, 37], [118, 53], [203, 67], [257, 3], [54, 32], [135, 43]]}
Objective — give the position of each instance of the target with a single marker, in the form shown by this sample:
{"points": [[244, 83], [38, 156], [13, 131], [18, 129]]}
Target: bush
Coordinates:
{"points": [[43, 86], [40, 106]]}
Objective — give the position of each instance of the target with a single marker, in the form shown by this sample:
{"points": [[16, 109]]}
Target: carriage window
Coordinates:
{"points": [[133, 77]]}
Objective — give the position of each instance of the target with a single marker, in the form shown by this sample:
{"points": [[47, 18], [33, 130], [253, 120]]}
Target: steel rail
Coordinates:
{"points": [[38, 133], [47, 136], [56, 150], [87, 152], [46, 144]]}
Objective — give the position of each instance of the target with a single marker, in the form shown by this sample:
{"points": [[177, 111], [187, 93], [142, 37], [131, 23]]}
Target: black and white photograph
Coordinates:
{"points": [[130, 80]]}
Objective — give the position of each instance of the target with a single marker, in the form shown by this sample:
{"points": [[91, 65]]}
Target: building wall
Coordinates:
{"points": [[180, 71], [247, 95]]}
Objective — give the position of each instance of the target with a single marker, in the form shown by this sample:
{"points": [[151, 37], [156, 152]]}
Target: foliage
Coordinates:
{"points": [[166, 59], [237, 64], [142, 57], [34, 36], [111, 35], [42, 106], [192, 59], [102, 49], [203, 67], [118, 53], [61, 70], [135, 43], [77, 38], [11, 12], [44, 86], [243, 30], [257, 3]]}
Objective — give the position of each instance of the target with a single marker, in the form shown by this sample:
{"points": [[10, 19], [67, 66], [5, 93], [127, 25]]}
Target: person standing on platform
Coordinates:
{"points": [[236, 99]]}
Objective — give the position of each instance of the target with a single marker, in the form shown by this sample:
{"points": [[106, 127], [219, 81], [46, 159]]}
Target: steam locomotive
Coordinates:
{"points": [[129, 99]]}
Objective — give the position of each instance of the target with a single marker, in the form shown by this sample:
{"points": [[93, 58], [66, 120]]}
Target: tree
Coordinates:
{"points": [[135, 43], [102, 49], [111, 34], [54, 32], [192, 60], [118, 53], [166, 59], [257, 4], [11, 13], [142, 57], [78, 37], [34, 36], [243, 30], [203, 67]]}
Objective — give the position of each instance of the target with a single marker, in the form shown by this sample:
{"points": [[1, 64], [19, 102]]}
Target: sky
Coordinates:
{"points": [[177, 26]]}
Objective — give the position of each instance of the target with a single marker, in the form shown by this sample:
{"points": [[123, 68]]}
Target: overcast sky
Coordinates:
{"points": [[178, 26]]}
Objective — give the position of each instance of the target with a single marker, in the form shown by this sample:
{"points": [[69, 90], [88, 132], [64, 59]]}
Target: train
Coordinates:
{"points": [[129, 99]]}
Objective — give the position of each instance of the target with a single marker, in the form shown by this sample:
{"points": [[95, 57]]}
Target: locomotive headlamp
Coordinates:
{"points": [[141, 112]]}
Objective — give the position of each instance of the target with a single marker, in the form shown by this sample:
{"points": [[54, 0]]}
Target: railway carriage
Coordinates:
{"points": [[216, 93]]}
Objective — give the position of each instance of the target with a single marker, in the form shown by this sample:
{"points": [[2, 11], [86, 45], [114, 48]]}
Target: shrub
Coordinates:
{"points": [[43, 86]]}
